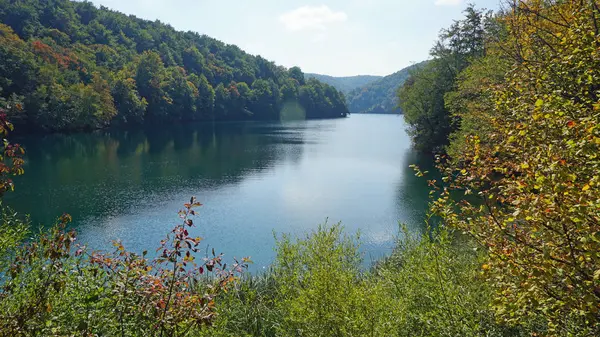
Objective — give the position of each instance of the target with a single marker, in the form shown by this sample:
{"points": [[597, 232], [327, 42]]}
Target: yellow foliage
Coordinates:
{"points": [[537, 168]]}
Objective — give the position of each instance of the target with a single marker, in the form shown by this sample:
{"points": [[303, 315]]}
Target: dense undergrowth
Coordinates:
{"points": [[430, 286]]}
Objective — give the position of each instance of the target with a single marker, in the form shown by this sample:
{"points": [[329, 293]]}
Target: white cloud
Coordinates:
{"points": [[448, 2], [311, 18]]}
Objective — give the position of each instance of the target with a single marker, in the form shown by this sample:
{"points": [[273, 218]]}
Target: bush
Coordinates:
{"points": [[438, 288], [13, 230], [322, 291], [249, 309], [430, 286], [53, 287]]}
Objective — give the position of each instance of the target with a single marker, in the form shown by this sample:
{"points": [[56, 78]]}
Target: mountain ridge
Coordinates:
{"points": [[345, 84], [376, 94]]}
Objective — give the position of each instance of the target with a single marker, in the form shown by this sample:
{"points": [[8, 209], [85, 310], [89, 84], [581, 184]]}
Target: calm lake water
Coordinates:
{"points": [[254, 179]]}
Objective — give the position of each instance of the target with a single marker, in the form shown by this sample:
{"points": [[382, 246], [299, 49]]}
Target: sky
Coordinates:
{"points": [[332, 37]]}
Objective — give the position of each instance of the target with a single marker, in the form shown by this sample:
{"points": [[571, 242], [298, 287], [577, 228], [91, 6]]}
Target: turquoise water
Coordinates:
{"points": [[254, 179]]}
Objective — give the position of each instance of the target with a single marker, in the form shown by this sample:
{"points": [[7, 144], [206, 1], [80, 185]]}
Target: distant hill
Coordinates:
{"points": [[379, 96], [345, 84]]}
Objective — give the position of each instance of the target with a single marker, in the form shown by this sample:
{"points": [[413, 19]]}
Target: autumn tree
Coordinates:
{"points": [[11, 155], [533, 176]]}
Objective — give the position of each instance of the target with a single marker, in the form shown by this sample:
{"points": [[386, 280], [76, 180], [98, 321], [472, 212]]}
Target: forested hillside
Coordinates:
{"points": [[345, 84], [379, 96], [69, 66]]}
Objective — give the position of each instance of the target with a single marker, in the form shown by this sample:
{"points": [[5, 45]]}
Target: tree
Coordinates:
{"points": [[297, 74], [422, 98], [103, 104], [183, 94], [264, 101], [536, 203], [128, 102], [422, 101], [221, 109], [18, 68], [150, 78], [193, 60], [206, 97], [289, 91], [23, 19]]}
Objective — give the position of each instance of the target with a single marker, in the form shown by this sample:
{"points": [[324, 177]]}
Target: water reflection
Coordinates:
{"points": [[106, 172], [413, 192]]}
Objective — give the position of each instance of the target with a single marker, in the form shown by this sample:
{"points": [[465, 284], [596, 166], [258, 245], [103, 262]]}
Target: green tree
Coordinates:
{"points": [[422, 98], [289, 91], [205, 102], [128, 102], [264, 101], [184, 95], [422, 101], [297, 74], [150, 79], [18, 67], [193, 60]]}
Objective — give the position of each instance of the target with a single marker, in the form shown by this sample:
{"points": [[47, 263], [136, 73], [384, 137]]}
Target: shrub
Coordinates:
{"points": [[249, 308], [438, 288], [430, 286], [320, 286], [54, 287]]}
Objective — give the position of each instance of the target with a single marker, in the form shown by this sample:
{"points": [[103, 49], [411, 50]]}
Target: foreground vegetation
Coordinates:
{"points": [[429, 287], [511, 105], [74, 66], [514, 116]]}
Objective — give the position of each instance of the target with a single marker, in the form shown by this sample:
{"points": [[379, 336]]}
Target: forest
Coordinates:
{"points": [[509, 107], [67, 66], [380, 96], [371, 94]]}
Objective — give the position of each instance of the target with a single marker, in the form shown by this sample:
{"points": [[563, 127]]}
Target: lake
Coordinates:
{"points": [[254, 179]]}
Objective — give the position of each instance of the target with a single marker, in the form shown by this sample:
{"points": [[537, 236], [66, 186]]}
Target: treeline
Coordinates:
{"points": [[430, 96], [73, 66]]}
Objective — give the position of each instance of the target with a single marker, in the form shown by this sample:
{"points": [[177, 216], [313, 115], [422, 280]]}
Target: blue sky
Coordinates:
{"points": [[333, 37]]}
